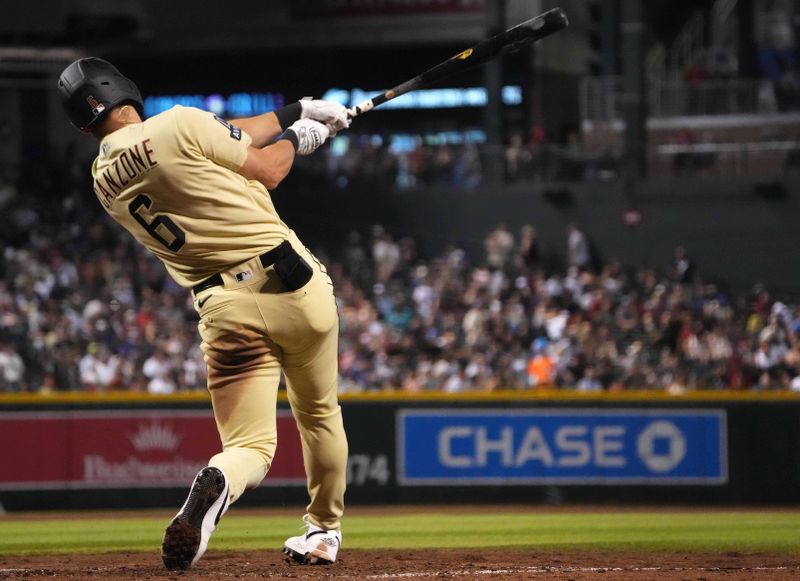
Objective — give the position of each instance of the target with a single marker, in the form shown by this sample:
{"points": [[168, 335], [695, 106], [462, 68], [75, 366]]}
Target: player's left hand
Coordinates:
{"points": [[328, 113]]}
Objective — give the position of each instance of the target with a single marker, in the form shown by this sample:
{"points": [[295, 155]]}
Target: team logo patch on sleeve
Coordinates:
{"points": [[236, 133]]}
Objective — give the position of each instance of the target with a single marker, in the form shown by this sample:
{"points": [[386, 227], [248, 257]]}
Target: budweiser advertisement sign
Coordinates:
{"points": [[110, 449]]}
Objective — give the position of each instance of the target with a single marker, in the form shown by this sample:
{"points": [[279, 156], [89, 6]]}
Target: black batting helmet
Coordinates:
{"points": [[91, 87]]}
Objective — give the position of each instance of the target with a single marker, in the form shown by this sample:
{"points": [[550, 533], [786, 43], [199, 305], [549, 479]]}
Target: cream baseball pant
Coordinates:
{"points": [[251, 328]]}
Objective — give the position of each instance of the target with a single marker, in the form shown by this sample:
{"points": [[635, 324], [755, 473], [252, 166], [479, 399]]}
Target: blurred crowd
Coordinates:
{"points": [[371, 161], [83, 307], [502, 321], [367, 162]]}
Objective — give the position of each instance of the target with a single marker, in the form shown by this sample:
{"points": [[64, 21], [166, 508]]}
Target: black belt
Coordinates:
{"points": [[267, 259]]}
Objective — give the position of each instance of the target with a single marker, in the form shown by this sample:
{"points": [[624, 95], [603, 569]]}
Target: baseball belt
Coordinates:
{"points": [[292, 270]]}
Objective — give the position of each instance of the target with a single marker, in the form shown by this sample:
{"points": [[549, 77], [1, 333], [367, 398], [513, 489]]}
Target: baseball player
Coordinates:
{"points": [[193, 188]]}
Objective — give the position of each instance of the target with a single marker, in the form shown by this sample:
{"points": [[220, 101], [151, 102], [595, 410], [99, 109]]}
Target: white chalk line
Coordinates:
{"points": [[535, 570], [540, 570]]}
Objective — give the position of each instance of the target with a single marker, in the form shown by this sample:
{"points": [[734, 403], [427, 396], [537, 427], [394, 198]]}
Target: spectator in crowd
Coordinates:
{"points": [[528, 251], [589, 381], [682, 268], [517, 159], [468, 169], [385, 254], [498, 246], [778, 58], [578, 253], [193, 370], [541, 367], [159, 370], [99, 369], [354, 259], [12, 369]]}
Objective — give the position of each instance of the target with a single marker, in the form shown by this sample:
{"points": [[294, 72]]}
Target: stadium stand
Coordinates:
{"points": [[84, 308]]}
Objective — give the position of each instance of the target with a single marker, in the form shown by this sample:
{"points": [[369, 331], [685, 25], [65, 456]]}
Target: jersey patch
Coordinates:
{"points": [[243, 276], [236, 133]]}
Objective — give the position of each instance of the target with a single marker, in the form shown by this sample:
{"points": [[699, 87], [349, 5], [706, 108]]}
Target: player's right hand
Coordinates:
{"points": [[310, 135]]}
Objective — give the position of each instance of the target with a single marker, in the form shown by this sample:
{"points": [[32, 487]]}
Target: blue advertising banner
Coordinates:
{"points": [[562, 446]]}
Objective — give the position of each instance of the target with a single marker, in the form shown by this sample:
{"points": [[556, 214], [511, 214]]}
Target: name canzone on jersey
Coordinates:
{"points": [[129, 165]]}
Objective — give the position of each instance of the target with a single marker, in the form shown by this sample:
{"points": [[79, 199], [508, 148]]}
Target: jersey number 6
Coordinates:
{"points": [[159, 223]]}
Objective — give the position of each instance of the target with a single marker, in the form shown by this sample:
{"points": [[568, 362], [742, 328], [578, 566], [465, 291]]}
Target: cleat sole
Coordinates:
{"points": [[183, 538], [294, 556], [181, 542], [307, 559]]}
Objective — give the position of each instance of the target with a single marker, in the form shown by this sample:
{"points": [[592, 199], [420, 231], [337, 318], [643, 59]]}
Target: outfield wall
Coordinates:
{"points": [[132, 450]]}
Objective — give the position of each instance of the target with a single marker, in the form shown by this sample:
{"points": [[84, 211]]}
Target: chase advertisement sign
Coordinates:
{"points": [[560, 446]]}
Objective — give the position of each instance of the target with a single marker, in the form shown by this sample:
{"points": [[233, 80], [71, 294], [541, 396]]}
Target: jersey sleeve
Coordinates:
{"points": [[215, 138]]}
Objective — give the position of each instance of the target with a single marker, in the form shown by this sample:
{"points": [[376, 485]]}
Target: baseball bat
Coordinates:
{"points": [[506, 42]]}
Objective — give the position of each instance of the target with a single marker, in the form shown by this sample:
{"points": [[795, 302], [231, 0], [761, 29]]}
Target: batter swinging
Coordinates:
{"points": [[192, 188]]}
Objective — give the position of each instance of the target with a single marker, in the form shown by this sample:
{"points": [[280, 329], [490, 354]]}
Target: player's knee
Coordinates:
{"points": [[311, 413], [262, 448], [266, 449]]}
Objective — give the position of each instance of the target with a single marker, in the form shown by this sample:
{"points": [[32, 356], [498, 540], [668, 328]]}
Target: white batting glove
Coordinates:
{"points": [[330, 113], [310, 135]]}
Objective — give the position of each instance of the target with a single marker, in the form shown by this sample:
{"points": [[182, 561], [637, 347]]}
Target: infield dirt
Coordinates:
{"points": [[414, 564]]}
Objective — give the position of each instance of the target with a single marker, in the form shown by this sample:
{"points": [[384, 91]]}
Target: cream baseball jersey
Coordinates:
{"points": [[172, 182]]}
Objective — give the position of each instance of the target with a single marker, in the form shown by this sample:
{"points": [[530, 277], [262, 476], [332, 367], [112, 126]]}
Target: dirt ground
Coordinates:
{"points": [[407, 564]]}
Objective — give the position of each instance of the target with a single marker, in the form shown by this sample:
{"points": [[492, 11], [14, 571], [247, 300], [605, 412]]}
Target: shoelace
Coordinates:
{"points": [[307, 524]]}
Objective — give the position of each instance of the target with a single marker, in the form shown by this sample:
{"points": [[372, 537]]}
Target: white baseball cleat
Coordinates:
{"points": [[186, 537], [316, 547]]}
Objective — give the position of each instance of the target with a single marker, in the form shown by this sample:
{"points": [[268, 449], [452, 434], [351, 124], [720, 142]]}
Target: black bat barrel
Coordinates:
{"points": [[509, 41]]}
